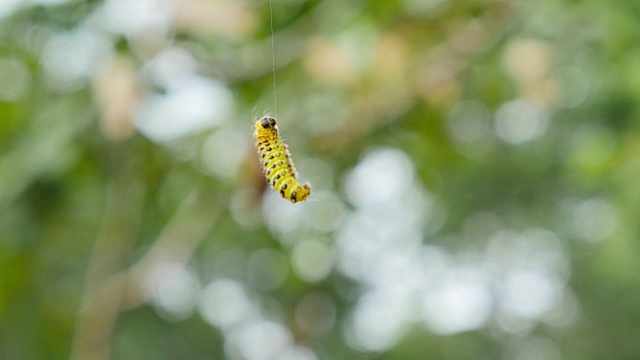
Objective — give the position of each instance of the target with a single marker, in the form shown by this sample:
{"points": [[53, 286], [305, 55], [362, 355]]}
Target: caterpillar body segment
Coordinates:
{"points": [[276, 161]]}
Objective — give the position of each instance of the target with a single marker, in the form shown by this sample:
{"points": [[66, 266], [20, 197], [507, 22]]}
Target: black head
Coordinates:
{"points": [[268, 122]]}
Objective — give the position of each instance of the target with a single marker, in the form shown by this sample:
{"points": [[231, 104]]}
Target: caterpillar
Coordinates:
{"points": [[276, 161]]}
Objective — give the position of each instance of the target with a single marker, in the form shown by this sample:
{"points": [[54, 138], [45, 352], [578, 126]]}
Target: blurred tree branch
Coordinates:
{"points": [[110, 290]]}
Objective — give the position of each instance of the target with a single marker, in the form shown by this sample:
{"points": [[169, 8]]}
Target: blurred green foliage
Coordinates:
{"points": [[525, 112]]}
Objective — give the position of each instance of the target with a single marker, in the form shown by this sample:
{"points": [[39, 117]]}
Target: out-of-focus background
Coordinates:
{"points": [[475, 168]]}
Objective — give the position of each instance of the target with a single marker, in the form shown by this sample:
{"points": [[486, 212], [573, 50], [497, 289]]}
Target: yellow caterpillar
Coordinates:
{"points": [[276, 161]]}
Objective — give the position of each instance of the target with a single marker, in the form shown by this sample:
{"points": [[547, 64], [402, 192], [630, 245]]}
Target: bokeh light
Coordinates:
{"points": [[174, 290], [225, 304], [520, 121]]}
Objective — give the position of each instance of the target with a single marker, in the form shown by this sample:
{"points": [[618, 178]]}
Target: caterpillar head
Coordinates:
{"points": [[267, 122], [300, 192]]}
